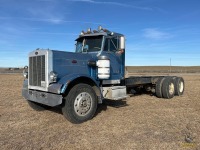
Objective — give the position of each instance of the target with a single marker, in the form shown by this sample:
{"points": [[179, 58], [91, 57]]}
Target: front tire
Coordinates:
{"points": [[80, 104]]}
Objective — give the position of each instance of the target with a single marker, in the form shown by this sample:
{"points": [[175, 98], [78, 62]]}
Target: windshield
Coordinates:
{"points": [[89, 44]]}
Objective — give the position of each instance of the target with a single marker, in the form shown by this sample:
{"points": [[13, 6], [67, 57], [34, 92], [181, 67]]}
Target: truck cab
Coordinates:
{"points": [[108, 44], [79, 81]]}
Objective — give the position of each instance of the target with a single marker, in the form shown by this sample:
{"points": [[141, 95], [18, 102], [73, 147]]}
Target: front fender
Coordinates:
{"points": [[66, 80]]}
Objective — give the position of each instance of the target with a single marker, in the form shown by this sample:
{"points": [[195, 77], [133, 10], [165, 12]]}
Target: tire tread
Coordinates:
{"points": [[68, 109], [165, 88]]}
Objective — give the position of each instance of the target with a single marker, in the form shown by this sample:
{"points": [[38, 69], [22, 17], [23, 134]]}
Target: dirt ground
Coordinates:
{"points": [[163, 69], [141, 122]]}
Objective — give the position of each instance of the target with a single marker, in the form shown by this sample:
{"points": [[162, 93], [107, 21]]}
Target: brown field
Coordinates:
{"points": [[132, 69], [145, 122], [163, 69]]}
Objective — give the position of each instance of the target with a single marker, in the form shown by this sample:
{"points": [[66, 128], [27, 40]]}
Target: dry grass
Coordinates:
{"points": [[163, 69], [145, 123]]}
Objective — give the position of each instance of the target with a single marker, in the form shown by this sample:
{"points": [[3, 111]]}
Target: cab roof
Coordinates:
{"points": [[98, 33]]}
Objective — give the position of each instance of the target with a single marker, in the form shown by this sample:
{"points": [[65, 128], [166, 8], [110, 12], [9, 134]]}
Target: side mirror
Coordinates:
{"points": [[25, 67], [122, 42]]}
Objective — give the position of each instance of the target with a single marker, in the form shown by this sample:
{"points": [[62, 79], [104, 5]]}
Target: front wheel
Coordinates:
{"points": [[80, 104]]}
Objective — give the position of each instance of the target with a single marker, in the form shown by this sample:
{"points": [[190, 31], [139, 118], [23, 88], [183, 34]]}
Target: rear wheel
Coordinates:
{"points": [[179, 86], [80, 104], [168, 88], [159, 87]]}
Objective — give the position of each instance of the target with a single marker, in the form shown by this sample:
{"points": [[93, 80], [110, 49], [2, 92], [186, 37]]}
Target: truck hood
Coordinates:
{"points": [[65, 63]]}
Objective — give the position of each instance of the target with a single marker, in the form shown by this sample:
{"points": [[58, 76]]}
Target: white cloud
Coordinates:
{"points": [[156, 34], [49, 12], [113, 3], [51, 20]]}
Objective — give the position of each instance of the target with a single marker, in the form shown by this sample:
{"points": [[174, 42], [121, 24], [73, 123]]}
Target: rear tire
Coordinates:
{"points": [[159, 87], [80, 104], [37, 106], [179, 86], [168, 88]]}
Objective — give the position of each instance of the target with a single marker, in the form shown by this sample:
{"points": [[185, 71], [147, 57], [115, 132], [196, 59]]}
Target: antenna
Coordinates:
{"points": [[170, 65]]}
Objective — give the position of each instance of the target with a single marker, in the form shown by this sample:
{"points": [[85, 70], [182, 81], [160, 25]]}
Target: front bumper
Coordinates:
{"points": [[42, 97], [50, 99]]}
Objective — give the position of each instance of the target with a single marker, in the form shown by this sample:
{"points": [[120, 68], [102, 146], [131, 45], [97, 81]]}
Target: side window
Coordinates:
{"points": [[114, 44], [111, 44], [79, 47]]}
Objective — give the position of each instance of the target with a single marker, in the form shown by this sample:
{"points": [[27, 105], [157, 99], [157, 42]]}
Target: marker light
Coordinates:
{"points": [[82, 33], [105, 30], [100, 28], [25, 72], [89, 30]]}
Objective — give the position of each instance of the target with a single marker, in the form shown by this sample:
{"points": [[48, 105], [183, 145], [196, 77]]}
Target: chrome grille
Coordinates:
{"points": [[36, 70]]}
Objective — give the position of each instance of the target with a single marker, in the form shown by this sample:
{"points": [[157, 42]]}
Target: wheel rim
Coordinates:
{"points": [[83, 103], [181, 87], [171, 88]]}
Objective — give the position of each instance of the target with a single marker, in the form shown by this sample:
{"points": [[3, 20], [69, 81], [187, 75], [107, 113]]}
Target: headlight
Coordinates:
{"points": [[53, 76], [25, 72]]}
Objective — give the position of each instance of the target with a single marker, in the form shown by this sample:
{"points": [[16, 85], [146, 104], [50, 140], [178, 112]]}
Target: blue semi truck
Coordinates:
{"points": [[79, 81]]}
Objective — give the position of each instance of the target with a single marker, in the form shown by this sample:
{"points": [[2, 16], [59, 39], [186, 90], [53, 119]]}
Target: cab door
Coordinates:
{"points": [[116, 56]]}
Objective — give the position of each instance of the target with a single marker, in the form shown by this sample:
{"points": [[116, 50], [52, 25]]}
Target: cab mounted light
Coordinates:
{"points": [[82, 33], [100, 28], [105, 30], [89, 31], [112, 33]]}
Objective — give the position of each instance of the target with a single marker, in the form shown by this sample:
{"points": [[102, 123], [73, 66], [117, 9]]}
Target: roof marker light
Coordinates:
{"points": [[82, 33], [100, 28], [89, 30], [105, 30]]}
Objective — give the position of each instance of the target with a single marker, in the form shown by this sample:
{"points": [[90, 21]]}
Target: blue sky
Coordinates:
{"points": [[155, 30]]}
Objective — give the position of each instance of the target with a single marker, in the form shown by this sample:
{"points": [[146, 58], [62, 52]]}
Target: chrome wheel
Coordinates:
{"points": [[181, 87], [80, 103], [171, 88], [83, 104], [168, 88]]}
